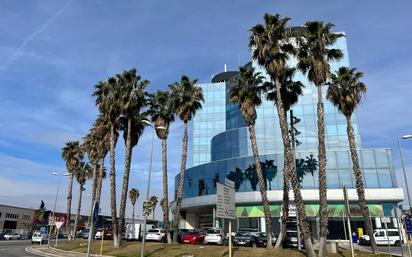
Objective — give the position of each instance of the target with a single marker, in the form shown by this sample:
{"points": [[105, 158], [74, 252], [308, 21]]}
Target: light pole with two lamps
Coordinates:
{"points": [[55, 203], [148, 182], [408, 136]]}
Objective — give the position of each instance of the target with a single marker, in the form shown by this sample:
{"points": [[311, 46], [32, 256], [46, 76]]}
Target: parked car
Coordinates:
{"points": [[85, 233], [12, 236], [215, 236], [291, 238], [38, 238], [192, 237], [261, 239], [244, 238], [381, 237], [106, 234], [156, 234], [253, 231], [60, 235]]}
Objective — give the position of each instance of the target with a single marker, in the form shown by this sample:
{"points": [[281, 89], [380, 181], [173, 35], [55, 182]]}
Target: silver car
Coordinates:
{"points": [[215, 236]]}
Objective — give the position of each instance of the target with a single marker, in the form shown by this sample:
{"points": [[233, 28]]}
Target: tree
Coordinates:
{"points": [[315, 52], [133, 195], [82, 173], [161, 111], [345, 92], [107, 100], [188, 99], [246, 91], [154, 201], [271, 48], [71, 154], [132, 99]]}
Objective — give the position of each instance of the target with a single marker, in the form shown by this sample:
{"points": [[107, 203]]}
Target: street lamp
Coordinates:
{"points": [[407, 136], [55, 203], [148, 182]]}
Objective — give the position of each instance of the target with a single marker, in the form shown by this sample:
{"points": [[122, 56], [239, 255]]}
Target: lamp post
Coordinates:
{"points": [[408, 136], [148, 182], [55, 203]]}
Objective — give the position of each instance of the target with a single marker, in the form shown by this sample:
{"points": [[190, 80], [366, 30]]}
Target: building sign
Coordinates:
{"points": [[225, 201]]}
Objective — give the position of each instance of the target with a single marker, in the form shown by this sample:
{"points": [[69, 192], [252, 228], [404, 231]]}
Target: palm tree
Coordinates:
{"points": [[131, 100], [71, 154], [82, 173], [345, 92], [107, 99], [161, 111], [188, 100], [133, 195], [315, 51], [246, 91], [271, 47], [154, 201]]}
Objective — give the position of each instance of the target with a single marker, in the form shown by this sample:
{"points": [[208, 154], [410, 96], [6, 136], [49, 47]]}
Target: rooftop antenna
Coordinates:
{"points": [[225, 67]]}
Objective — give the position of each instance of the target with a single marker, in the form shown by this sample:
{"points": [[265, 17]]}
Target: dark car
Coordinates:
{"points": [[244, 238], [261, 239], [85, 234], [291, 238]]}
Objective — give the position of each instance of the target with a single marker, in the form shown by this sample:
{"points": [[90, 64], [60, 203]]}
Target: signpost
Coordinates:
{"points": [[58, 226], [93, 222], [225, 205], [386, 220], [347, 210]]}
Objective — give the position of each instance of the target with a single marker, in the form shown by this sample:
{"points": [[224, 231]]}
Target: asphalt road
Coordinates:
{"points": [[395, 250], [15, 248]]}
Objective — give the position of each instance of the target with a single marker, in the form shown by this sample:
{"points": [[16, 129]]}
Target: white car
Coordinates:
{"points": [[381, 238], [13, 236], [215, 236], [156, 234], [38, 238]]}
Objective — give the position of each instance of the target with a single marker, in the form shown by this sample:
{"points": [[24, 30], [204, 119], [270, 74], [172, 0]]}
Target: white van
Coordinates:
{"points": [[382, 239]]}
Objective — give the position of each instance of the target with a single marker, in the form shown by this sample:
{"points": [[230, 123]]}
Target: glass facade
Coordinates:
{"points": [[221, 144]]}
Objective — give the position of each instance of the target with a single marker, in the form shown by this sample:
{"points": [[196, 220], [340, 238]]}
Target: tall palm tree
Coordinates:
{"points": [[107, 95], [82, 173], [345, 92], [131, 101], [246, 91], [161, 111], [71, 154], [188, 99], [133, 195], [315, 51], [154, 201], [271, 47], [290, 91]]}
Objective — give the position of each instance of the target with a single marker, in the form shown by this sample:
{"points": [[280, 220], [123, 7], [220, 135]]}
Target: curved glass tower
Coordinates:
{"points": [[221, 149]]}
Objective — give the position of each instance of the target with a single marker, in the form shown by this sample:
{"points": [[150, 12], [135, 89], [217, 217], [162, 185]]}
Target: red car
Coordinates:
{"points": [[192, 237]]}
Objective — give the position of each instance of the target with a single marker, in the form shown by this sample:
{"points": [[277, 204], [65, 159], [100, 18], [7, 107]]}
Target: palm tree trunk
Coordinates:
{"points": [[125, 185], [165, 191], [100, 180], [93, 194], [134, 206], [359, 184], [79, 206], [262, 188], [285, 201], [323, 198], [113, 187], [69, 205], [290, 170], [176, 217]]}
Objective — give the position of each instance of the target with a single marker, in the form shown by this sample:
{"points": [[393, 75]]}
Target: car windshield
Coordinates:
{"points": [[242, 233], [36, 235], [153, 231], [213, 231], [262, 234], [191, 232], [291, 234]]}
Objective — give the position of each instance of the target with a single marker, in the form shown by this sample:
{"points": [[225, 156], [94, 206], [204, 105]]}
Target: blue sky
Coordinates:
{"points": [[53, 52]]}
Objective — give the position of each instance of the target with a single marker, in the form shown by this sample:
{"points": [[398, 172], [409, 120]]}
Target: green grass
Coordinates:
{"points": [[132, 249]]}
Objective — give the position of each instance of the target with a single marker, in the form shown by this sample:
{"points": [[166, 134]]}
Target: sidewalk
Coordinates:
{"points": [[53, 252], [362, 248]]}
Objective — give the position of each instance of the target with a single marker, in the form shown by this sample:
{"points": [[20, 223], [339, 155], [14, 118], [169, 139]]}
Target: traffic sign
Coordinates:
{"points": [[408, 225], [225, 201], [59, 224]]}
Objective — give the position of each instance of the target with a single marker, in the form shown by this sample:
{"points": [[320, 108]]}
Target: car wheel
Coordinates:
{"points": [[398, 243]]}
